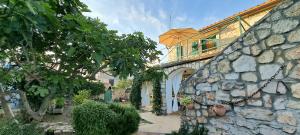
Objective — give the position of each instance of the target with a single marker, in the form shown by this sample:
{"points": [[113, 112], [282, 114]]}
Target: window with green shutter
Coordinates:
{"points": [[179, 52], [194, 48]]}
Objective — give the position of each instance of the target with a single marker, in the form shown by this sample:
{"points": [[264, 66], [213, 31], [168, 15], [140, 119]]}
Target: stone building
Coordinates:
{"points": [[190, 49], [239, 78]]}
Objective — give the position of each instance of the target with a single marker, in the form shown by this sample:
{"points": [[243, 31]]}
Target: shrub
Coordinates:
{"points": [[198, 130], [127, 121], [92, 118], [95, 87], [59, 102], [12, 127], [185, 101], [81, 97]]}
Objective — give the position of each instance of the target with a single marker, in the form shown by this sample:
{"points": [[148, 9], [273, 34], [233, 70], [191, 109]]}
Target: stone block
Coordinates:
{"points": [[251, 88], [234, 55], [293, 53], [281, 88], [266, 130], [289, 129], [293, 11], [201, 120], [255, 102], [266, 57], [249, 76], [280, 103], [220, 95], [238, 93], [246, 50], [262, 34], [284, 25], [275, 16], [263, 25], [296, 90], [250, 39], [228, 85], [267, 101], [294, 104], [255, 50], [224, 66], [203, 87], [286, 118], [294, 36], [244, 64], [232, 76], [275, 40], [258, 114], [268, 70]]}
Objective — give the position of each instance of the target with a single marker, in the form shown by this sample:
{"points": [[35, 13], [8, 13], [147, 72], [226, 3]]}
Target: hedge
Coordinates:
{"points": [[13, 127], [93, 118]]}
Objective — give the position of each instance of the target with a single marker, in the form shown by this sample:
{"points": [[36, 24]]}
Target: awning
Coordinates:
{"points": [[174, 36]]}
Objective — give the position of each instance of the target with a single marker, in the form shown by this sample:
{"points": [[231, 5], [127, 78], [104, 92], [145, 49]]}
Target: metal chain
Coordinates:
{"points": [[249, 97], [256, 92]]}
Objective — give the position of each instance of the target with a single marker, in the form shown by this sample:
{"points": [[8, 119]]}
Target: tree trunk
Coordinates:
{"points": [[27, 107], [38, 116], [8, 113]]}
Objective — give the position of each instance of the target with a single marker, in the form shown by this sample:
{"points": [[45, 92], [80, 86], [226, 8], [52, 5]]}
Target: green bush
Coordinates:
{"points": [[59, 102], [127, 121], [95, 87], [81, 97], [92, 118], [198, 130], [11, 127]]}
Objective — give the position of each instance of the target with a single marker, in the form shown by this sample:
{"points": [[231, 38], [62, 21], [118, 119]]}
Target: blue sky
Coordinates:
{"points": [[152, 17]]}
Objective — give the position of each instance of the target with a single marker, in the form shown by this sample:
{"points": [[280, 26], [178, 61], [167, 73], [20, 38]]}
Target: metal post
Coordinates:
{"points": [[240, 24]]}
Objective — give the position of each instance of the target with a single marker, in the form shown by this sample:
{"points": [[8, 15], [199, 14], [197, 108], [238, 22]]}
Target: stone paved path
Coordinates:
{"points": [[160, 125]]}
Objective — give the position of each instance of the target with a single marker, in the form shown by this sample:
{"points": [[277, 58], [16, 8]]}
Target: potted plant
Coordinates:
{"points": [[59, 105], [187, 102], [220, 110]]}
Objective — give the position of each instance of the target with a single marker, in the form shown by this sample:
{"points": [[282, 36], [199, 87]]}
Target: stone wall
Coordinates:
{"points": [[242, 68]]}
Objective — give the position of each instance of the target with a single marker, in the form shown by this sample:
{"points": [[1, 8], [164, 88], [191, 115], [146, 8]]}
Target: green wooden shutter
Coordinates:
{"points": [[195, 48], [179, 51]]}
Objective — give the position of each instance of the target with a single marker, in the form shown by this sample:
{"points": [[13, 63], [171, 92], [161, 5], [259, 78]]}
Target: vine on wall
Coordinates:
{"points": [[155, 75]]}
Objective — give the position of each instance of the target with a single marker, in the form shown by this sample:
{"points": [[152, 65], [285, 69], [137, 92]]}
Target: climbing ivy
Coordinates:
{"points": [[155, 75], [157, 101], [135, 95]]}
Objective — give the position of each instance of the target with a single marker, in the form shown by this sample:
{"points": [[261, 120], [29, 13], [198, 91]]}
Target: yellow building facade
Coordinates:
{"points": [[211, 39]]}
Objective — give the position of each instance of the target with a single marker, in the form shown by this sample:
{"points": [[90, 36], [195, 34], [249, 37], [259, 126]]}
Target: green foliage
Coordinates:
{"points": [[127, 122], [185, 101], [92, 118], [135, 95], [151, 74], [157, 101], [53, 48], [59, 102], [198, 130], [124, 84], [96, 88], [12, 127], [81, 97]]}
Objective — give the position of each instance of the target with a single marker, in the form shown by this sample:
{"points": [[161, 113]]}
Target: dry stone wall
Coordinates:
{"points": [[242, 69]]}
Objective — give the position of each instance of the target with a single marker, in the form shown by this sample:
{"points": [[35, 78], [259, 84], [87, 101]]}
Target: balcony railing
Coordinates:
{"points": [[203, 53]]}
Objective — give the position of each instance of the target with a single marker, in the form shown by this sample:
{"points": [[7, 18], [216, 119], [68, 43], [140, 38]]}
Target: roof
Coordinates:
{"points": [[246, 13]]}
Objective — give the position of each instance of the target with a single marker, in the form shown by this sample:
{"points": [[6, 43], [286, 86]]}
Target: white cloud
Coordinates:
{"points": [[128, 16], [211, 19], [181, 18]]}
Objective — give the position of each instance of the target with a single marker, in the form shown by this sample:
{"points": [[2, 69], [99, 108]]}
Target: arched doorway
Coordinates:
{"points": [[173, 83]]}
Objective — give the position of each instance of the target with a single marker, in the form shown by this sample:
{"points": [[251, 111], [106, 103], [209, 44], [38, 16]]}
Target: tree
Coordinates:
{"points": [[51, 48]]}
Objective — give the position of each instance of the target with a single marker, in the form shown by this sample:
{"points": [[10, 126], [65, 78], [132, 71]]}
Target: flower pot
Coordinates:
{"points": [[58, 111], [220, 110], [190, 106]]}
